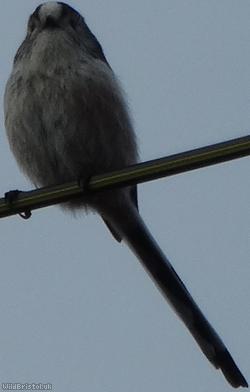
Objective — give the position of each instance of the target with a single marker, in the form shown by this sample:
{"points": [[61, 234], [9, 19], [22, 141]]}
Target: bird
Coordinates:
{"points": [[67, 119]]}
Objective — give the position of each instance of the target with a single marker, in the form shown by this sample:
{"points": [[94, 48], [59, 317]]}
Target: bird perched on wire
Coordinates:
{"points": [[67, 119]]}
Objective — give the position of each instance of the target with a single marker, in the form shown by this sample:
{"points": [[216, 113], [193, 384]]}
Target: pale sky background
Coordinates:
{"points": [[77, 309]]}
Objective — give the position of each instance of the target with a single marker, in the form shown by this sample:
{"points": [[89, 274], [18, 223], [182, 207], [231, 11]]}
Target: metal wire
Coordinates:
{"points": [[142, 172]]}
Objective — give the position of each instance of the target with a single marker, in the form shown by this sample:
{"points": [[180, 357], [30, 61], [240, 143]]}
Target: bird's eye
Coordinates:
{"points": [[74, 21], [31, 26], [32, 23]]}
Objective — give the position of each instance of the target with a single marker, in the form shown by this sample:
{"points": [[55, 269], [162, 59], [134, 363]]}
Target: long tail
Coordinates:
{"points": [[132, 229]]}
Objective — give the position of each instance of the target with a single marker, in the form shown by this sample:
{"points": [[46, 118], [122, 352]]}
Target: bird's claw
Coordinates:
{"points": [[11, 197], [83, 184]]}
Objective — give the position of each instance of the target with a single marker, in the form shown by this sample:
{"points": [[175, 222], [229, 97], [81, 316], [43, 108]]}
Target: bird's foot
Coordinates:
{"points": [[11, 197]]}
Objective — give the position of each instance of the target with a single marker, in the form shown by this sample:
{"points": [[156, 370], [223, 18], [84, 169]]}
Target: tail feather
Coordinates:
{"points": [[133, 230]]}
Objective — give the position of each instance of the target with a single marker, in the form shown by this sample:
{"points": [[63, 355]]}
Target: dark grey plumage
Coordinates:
{"points": [[66, 119]]}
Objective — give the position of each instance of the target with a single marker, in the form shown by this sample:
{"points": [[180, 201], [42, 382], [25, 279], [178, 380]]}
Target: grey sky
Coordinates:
{"points": [[77, 309]]}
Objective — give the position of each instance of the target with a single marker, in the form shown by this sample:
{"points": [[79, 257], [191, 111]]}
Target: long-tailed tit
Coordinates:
{"points": [[66, 119]]}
